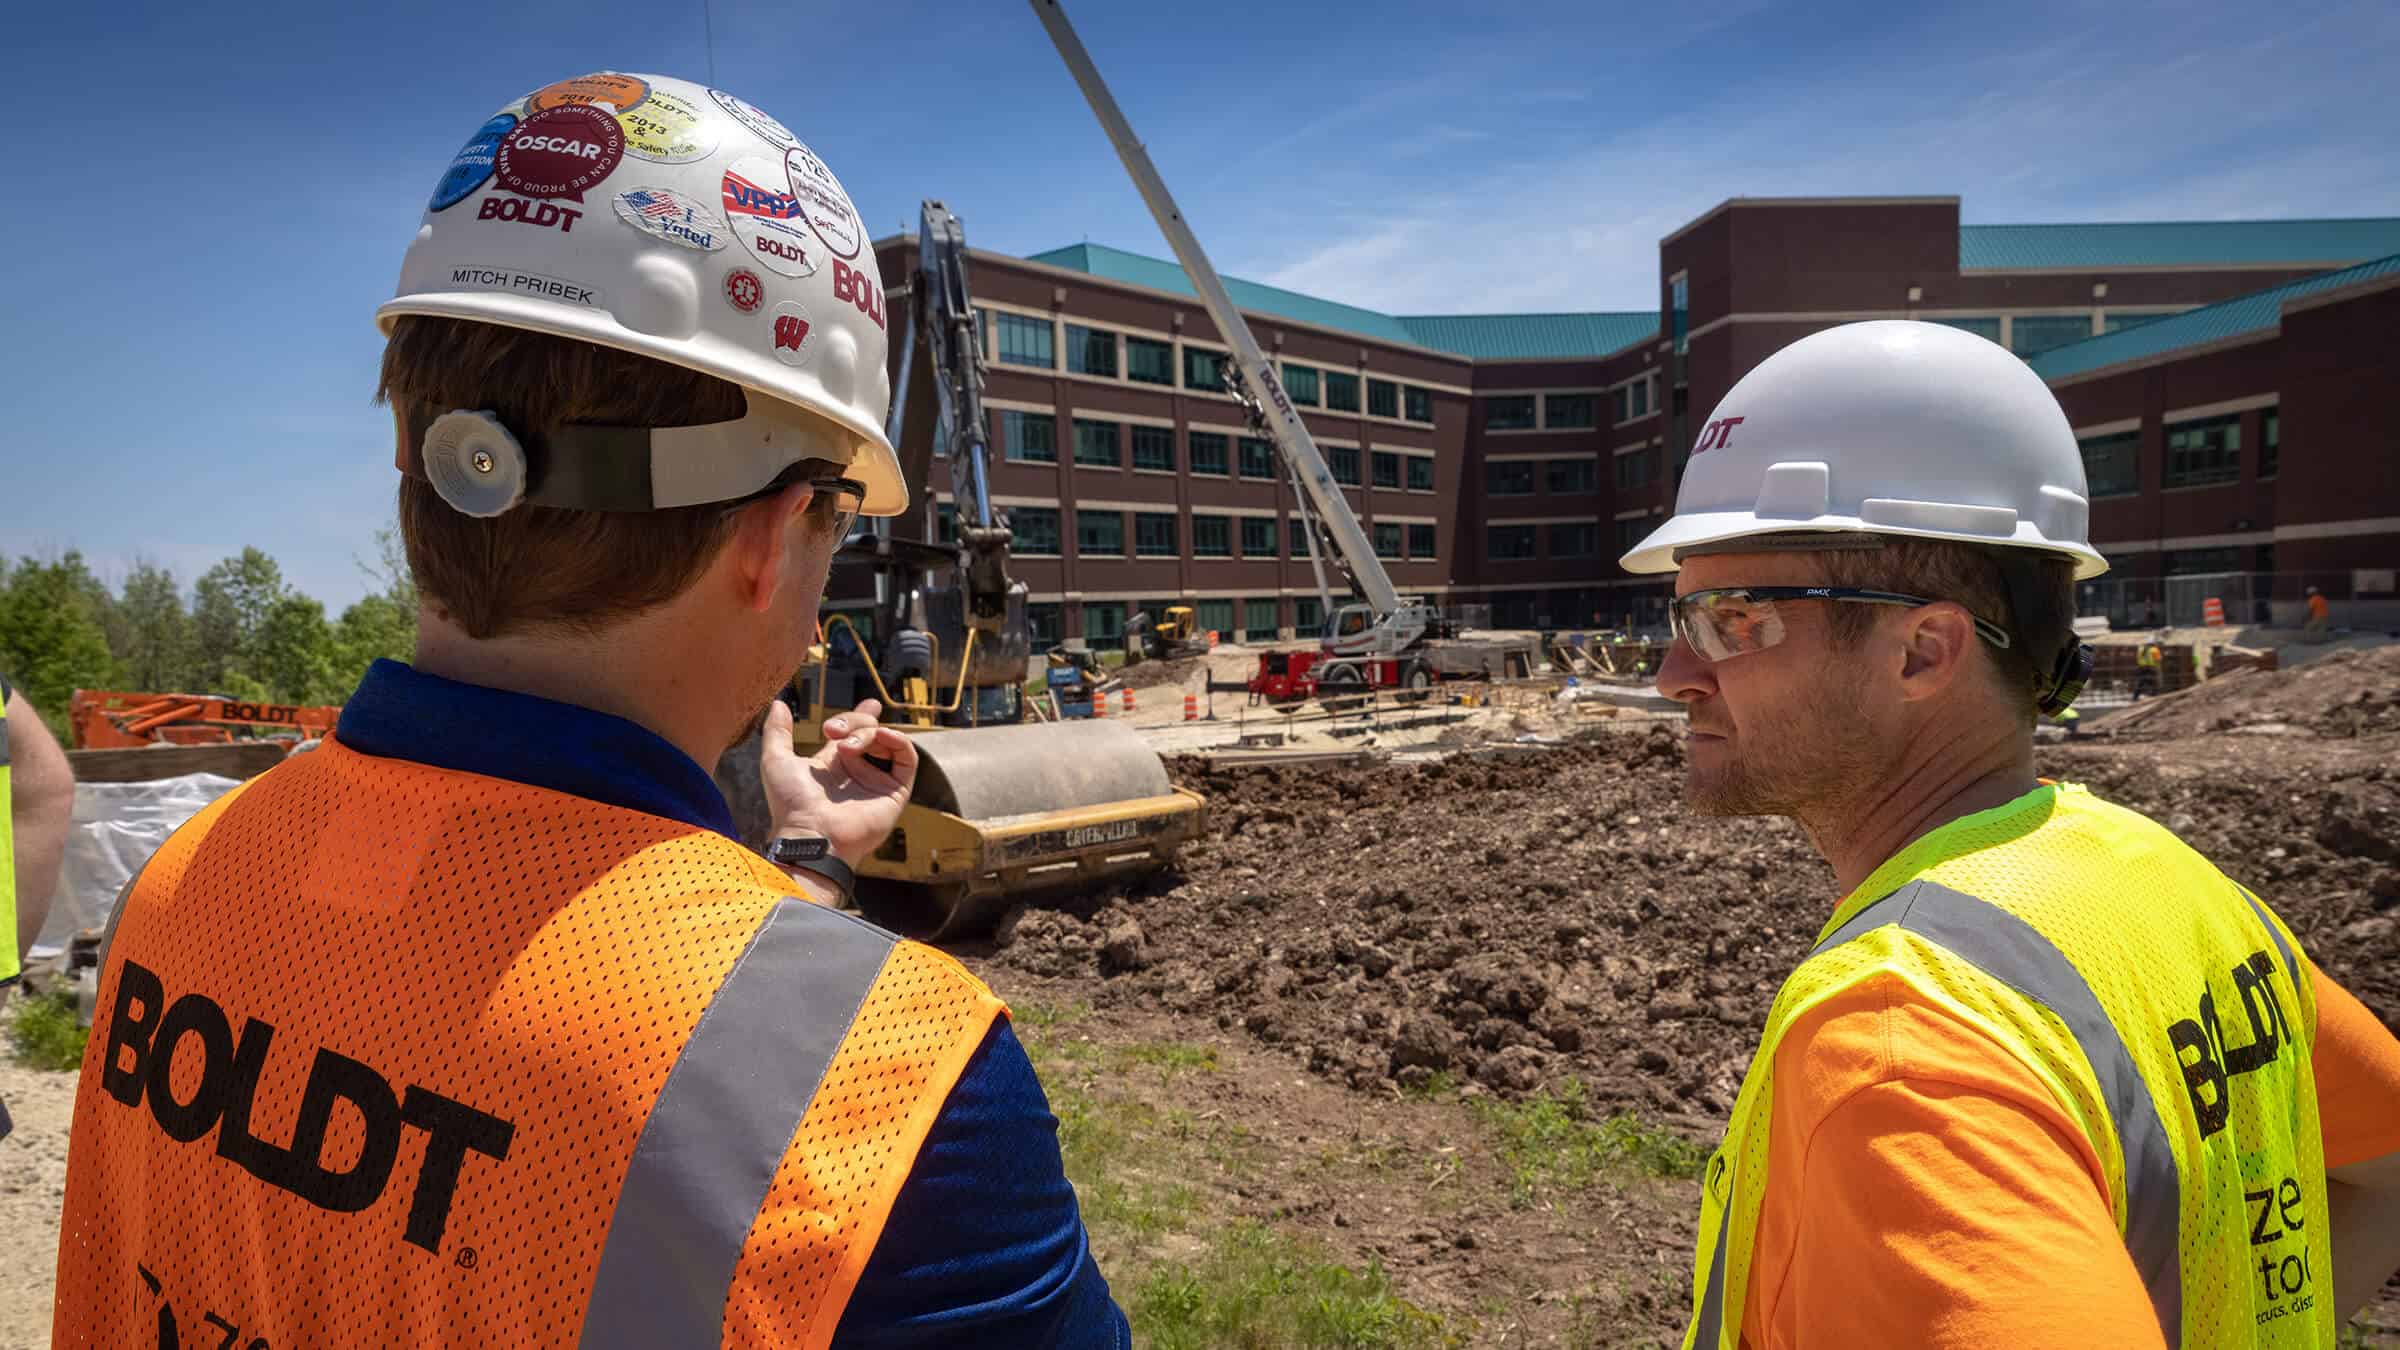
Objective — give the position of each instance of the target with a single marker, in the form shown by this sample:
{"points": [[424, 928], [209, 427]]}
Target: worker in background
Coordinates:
{"points": [[473, 1026], [2147, 663], [37, 804], [2320, 615], [2047, 1077]]}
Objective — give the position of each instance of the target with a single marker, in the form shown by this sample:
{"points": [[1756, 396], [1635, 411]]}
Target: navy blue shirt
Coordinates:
{"points": [[984, 1245]]}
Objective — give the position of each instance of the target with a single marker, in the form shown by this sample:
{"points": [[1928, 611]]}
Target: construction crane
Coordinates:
{"points": [[1388, 641], [1003, 808]]}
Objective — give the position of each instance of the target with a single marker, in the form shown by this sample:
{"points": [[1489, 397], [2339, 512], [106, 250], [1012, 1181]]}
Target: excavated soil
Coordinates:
{"points": [[2341, 694]]}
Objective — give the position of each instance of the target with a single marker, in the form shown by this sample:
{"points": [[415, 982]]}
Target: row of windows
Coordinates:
{"points": [[1032, 438], [1516, 477], [1565, 539], [2200, 453], [1035, 532], [1564, 412], [1104, 620], [1025, 340], [2032, 334]]}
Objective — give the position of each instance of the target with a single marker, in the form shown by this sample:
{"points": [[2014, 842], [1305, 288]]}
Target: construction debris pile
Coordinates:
{"points": [[1510, 920], [2341, 694]]}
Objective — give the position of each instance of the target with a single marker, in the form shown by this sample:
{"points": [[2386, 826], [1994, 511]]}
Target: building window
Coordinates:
{"points": [[1636, 468], [1387, 469], [1679, 312], [2270, 441], [1100, 534], [1258, 536], [1573, 475], [1301, 383], [1045, 624], [1341, 391], [1569, 412], [1025, 342], [1986, 328], [1508, 478], [1630, 533], [1103, 621], [1212, 536], [1308, 615], [1204, 370], [1343, 460], [2184, 562], [1581, 539], [1640, 393], [1420, 542], [1420, 403], [1033, 529], [1387, 539], [1097, 444], [2033, 334], [1091, 351], [1213, 616], [1420, 473], [2205, 452], [1259, 619], [1258, 457], [1148, 362], [1502, 543], [1154, 448], [1383, 398], [1511, 413], [1212, 454], [1028, 437], [1299, 536], [1153, 534], [945, 522], [2112, 464]]}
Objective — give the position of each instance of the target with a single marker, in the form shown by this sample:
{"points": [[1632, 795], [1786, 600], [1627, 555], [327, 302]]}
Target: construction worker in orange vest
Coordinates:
{"points": [[2320, 615], [474, 1026], [2148, 663], [2047, 1077]]}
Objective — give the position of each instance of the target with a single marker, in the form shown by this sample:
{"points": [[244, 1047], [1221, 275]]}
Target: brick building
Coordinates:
{"points": [[1510, 458]]}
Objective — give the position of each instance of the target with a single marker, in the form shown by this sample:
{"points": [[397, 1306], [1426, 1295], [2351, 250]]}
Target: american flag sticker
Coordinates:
{"points": [[674, 217]]}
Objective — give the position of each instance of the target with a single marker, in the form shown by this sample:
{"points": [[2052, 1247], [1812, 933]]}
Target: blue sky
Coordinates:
{"points": [[189, 369]]}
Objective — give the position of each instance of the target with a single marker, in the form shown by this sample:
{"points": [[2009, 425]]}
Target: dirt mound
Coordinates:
{"points": [[1152, 674], [1513, 920], [2341, 694]]}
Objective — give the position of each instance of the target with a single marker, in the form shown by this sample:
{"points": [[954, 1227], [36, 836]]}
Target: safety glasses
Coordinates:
{"points": [[1735, 620], [833, 502]]}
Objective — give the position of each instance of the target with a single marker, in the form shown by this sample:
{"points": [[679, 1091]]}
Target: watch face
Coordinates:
{"points": [[790, 850]]}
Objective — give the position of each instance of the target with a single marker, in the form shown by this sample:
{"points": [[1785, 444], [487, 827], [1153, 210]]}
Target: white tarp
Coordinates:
{"points": [[117, 827]]}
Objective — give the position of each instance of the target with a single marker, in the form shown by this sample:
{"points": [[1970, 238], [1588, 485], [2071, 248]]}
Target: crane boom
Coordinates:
{"points": [[1257, 372]]}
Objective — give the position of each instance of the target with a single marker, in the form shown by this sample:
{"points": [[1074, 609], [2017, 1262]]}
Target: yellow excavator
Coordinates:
{"points": [[1172, 635], [1005, 808]]}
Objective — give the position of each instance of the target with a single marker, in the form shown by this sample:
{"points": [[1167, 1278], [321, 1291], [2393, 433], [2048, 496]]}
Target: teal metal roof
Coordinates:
{"points": [[2252, 313], [1116, 264], [2178, 243], [1492, 337]]}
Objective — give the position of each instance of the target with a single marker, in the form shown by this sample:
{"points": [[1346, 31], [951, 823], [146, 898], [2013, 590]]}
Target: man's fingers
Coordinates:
{"points": [[775, 736], [865, 717], [859, 751]]}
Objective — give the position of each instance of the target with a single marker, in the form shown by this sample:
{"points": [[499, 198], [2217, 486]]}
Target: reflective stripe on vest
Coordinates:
{"points": [[721, 1125], [2008, 949]]}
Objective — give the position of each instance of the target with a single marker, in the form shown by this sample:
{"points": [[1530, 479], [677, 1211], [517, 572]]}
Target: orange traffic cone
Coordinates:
{"points": [[1099, 704], [2212, 612], [1129, 702], [1191, 707]]}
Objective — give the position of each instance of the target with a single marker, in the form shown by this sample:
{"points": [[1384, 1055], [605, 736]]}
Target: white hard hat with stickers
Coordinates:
{"points": [[1888, 427], [677, 222]]}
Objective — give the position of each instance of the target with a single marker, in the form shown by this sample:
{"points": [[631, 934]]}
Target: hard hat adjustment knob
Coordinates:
{"points": [[475, 463]]}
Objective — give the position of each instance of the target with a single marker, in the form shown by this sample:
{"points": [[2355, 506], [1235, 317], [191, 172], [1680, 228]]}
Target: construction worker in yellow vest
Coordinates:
{"points": [[475, 1026], [2147, 664], [2047, 1077]]}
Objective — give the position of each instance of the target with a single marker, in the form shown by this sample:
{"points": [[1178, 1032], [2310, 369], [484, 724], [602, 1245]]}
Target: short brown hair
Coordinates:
{"points": [[540, 566], [1976, 577]]}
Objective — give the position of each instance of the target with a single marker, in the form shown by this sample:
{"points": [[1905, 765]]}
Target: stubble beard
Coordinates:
{"points": [[1807, 769]]}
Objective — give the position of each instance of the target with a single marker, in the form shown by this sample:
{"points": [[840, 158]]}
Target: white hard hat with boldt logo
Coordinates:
{"points": [[1892, 427], [673, 221]]}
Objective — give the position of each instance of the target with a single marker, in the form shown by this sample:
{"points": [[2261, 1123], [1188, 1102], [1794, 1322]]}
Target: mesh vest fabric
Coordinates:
{"points": [[2188, 1066], [529, 977]]}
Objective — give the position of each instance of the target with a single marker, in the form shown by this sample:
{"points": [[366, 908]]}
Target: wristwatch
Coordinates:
{"points": [[813, 853]]}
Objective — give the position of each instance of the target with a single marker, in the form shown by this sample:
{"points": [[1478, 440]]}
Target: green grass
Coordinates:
{"points": [[45, 1034], [1551, 1141], [1254, 1287], [1171, 1059]]}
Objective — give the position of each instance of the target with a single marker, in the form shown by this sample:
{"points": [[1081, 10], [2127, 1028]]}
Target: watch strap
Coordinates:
{"points": [[832, 869]]}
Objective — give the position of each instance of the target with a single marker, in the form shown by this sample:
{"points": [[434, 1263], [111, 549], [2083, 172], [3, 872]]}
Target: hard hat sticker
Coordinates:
{"points": [[788, 329], [766, 218], [472, 166], [768, 129], [826, 206], [672, 216], [744, 291], [524, 283], [560, 152], [622, 93], [665, 128]]}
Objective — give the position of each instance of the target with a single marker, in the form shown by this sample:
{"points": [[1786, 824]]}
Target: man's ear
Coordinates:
{"points": [[763, 537], [1937, 642]]}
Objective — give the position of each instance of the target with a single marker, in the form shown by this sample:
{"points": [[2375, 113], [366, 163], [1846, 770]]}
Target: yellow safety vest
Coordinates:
{"points": [[2151, 655], [2162, 1004], [8, 858]]}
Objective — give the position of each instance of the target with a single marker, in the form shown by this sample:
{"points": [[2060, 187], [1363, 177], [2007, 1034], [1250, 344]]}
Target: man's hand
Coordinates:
{"points": [[837, 792]]}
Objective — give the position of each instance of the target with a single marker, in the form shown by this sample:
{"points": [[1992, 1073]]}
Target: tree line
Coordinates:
{"points": [[241, 631]]}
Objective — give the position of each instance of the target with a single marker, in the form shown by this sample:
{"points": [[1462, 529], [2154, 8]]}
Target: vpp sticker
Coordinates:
{"points": [[560, 152], [620, 92], [766, 218], [671, 216], [824, 204], [788, 329], [768, 129], [665, 128], [472, 166]]}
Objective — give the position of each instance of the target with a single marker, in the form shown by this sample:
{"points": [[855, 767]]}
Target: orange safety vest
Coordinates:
{"points": [[390, 1054]]}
